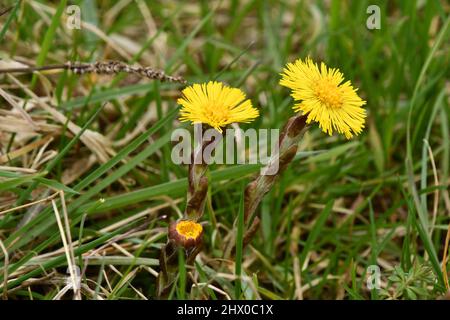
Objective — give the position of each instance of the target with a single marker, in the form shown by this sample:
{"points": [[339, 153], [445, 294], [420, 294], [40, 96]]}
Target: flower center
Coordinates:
{"points": [[189, 229], [328, 93], [216, 113]]}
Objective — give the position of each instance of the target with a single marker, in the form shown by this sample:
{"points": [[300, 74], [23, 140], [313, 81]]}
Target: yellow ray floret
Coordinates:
{"points": [[324, 98], [215, 104]]}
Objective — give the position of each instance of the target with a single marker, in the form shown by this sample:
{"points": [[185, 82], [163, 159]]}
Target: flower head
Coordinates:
{"points": [[216, 105], [186, 233], [324, 98]]}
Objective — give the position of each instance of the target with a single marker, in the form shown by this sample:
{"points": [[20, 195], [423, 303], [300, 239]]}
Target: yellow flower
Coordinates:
{"points": [[186, 233], [324, 98], [216, 105]]}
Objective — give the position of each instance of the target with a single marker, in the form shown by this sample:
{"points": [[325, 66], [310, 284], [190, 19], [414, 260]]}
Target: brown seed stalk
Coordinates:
{"points": [[101, 67]]}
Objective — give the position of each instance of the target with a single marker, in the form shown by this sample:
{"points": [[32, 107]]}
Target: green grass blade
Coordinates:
{"points": [[11, 16], [239, 247]]}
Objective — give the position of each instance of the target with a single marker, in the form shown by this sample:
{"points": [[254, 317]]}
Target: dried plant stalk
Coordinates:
{"points": [[102, 67], [5, 10]]}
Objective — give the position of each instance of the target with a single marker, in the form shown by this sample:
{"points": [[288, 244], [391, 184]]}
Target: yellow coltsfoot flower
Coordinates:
{"points": [[324, 98], [215, 104], [186, 233]]}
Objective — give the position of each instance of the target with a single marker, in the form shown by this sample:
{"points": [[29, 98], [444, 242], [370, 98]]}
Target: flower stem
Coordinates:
{"points": [[196, 198], [261, 185]]}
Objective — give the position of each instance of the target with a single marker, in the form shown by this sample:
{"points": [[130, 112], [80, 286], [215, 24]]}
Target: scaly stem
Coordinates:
{"points": [[196, 198], [259, 187]]}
